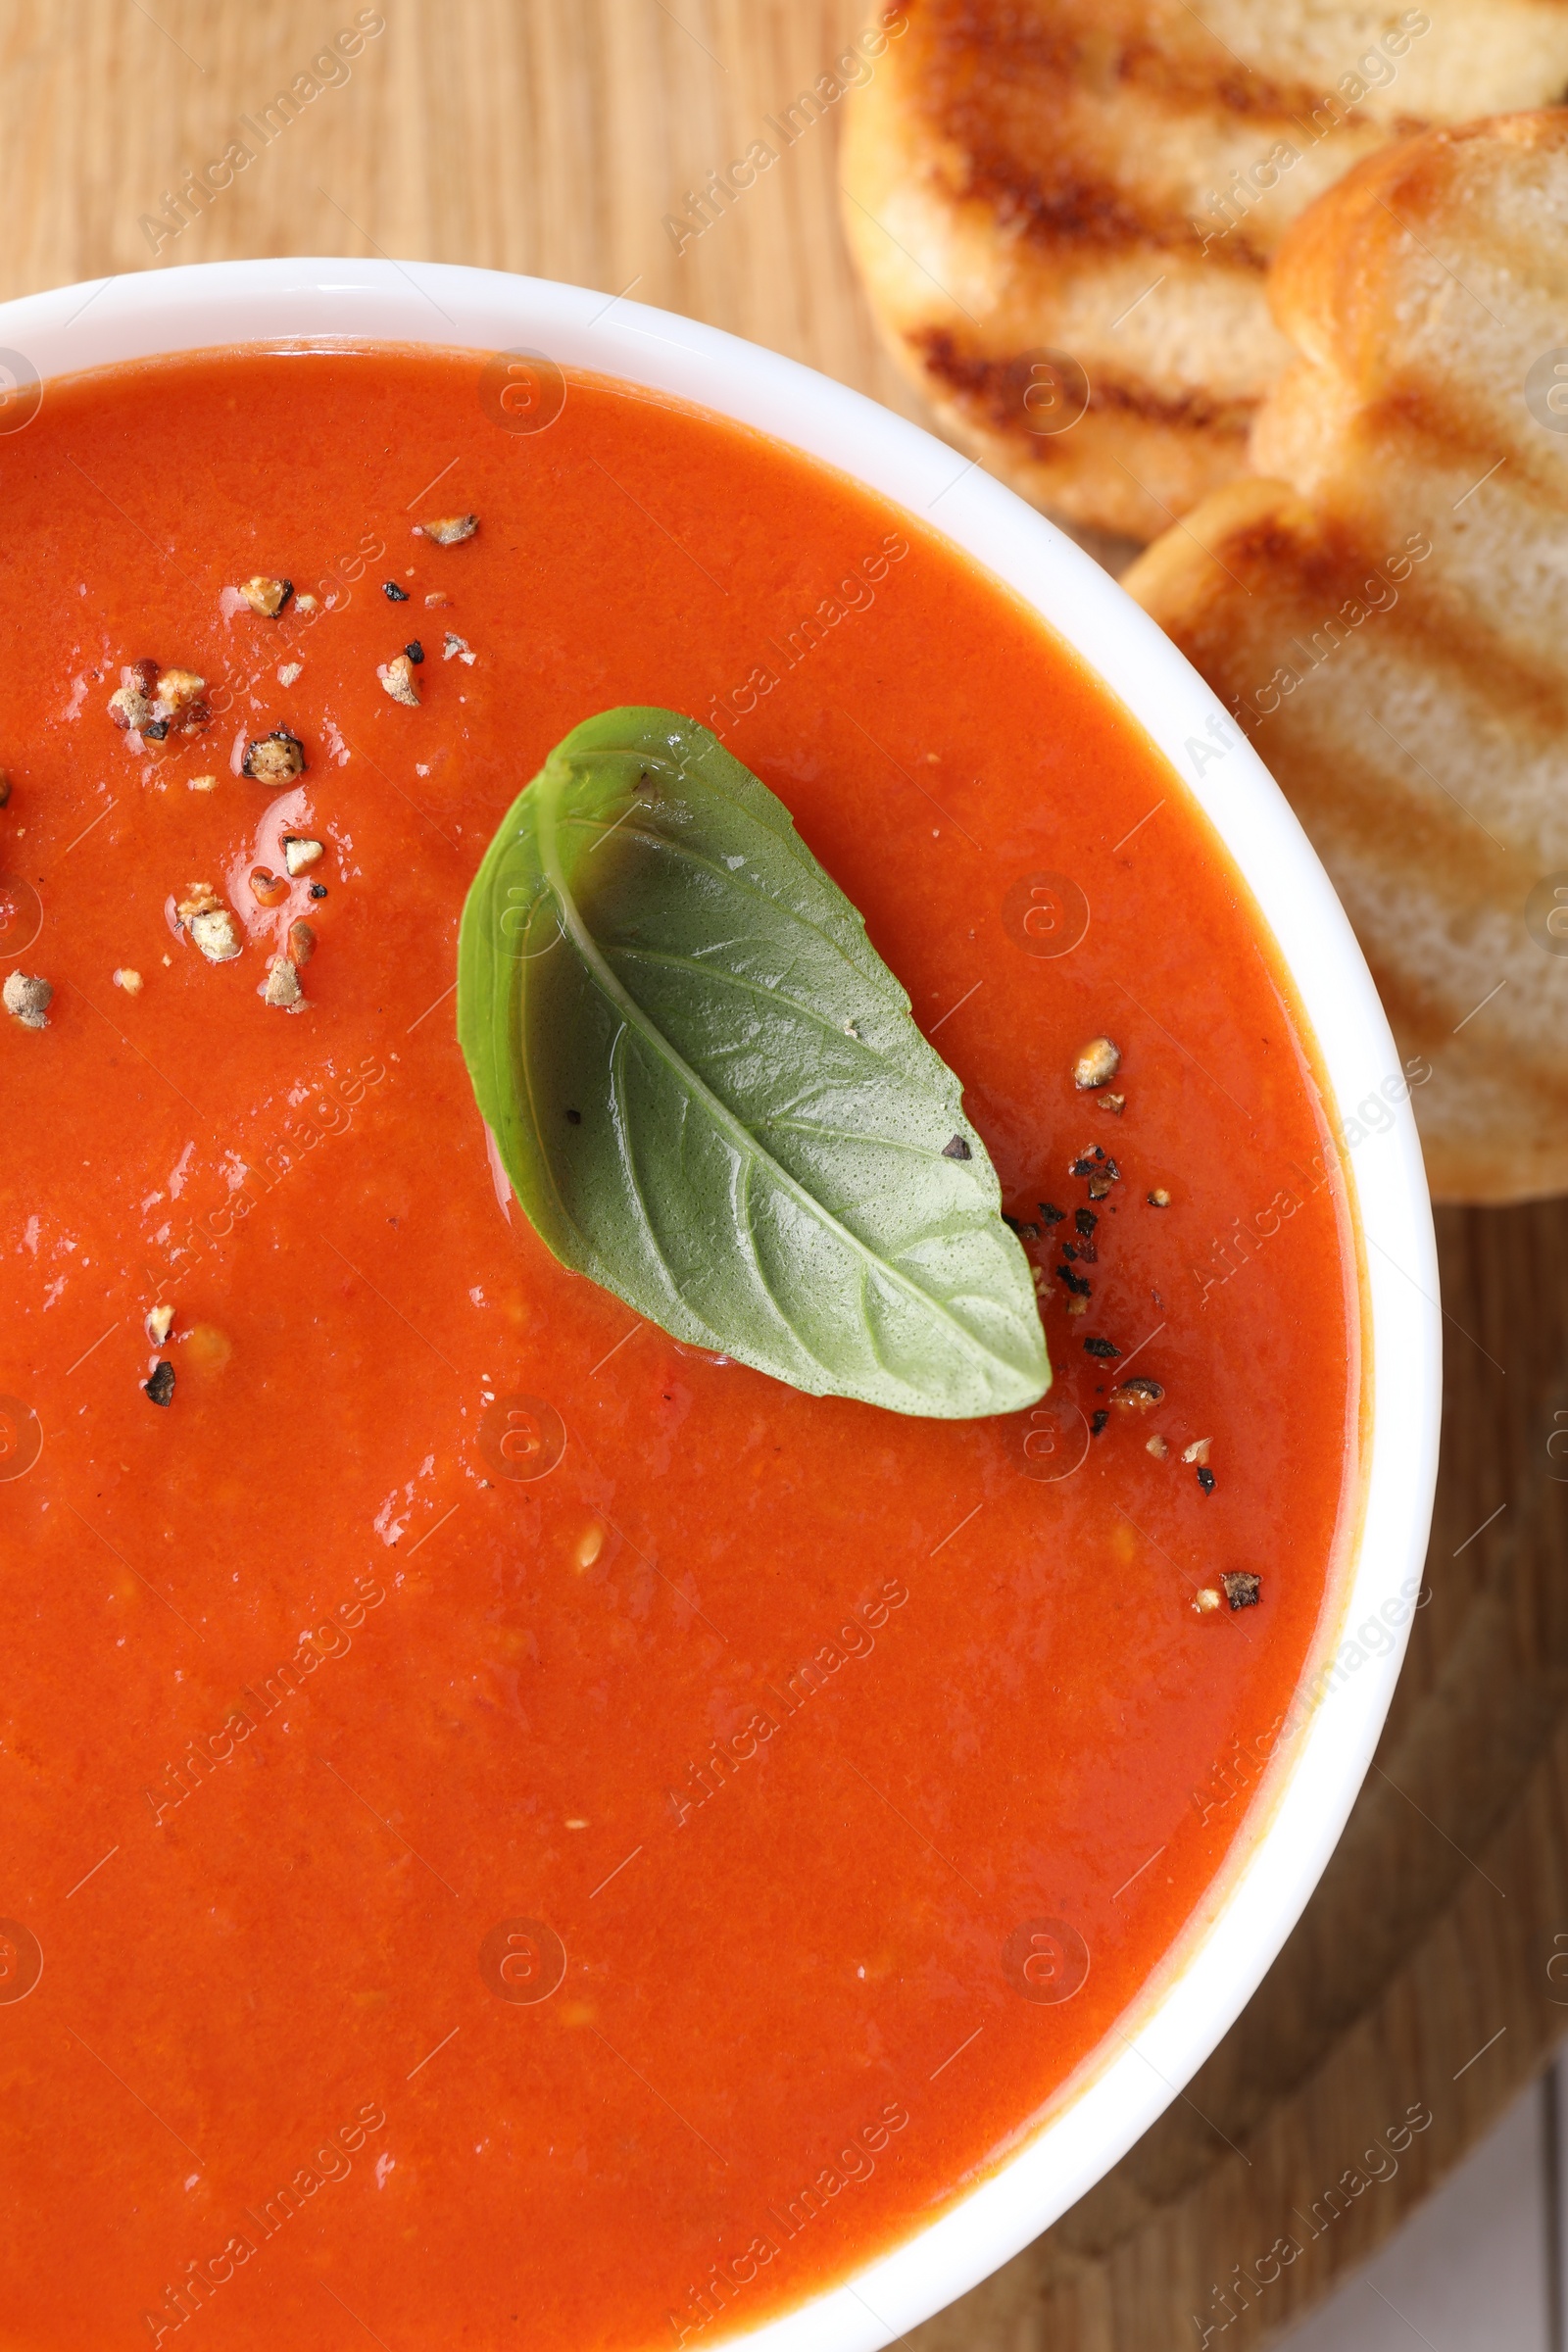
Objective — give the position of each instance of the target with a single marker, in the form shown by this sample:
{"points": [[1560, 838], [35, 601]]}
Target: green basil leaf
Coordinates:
{"points": [[708, 1092]]}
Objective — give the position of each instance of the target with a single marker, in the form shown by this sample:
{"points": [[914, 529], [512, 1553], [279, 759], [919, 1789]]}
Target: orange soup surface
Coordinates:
{"points": [[517, 1832]]}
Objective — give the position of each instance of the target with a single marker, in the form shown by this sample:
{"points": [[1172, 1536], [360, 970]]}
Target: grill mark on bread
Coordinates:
{"points": [[1085, 208], [997, 384], [970, 46], [1302, 569]]}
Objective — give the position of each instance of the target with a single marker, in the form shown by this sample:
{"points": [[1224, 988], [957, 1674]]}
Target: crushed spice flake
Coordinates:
{"points": [[176, 706], [393, 593], [27, 997], [301, 940], [1198, 1451], [414, 650], [1102, 1348], [216, 934], [574, 1118], [449, 530], [283, 985], [1100, 1168], [160, 1319], [438, 596], [1139, 1395], [1243, 1590], [1096, 1422], [274, 758], [1096, 1064], [1205, 1479], [1159, 1198], [1077, 1306], [161, 1388], [1157, 1447], [301, 851], [317, 890], [397, 676], [181, 690], [209, 924], [457, 649], [1076, 1283], [128, 980], [1114, 1103], [1206, 1601], [266, 596], [130, 705], [1084, 1220], [154, 703], [957, 1149], [1050, 1215]]}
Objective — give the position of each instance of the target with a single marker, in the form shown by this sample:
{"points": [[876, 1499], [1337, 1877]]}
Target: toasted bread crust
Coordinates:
{"points": [[1109, 180], [1388, 621]]}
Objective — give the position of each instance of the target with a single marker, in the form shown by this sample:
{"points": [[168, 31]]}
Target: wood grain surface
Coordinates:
{"points": [[554, 137]]}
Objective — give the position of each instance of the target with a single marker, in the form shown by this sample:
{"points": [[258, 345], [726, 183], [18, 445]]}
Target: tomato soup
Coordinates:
{"points": [[516, 1832]]}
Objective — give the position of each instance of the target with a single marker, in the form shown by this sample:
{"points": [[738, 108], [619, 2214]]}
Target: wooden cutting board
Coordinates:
{"points": [[565, 137]]}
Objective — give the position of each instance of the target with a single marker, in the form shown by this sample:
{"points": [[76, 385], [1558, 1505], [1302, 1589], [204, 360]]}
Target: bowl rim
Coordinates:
{"points": [[1291, 1827]]}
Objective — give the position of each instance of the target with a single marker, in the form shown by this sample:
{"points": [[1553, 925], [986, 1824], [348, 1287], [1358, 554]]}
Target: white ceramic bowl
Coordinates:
{"points": [[1301, 1809]]}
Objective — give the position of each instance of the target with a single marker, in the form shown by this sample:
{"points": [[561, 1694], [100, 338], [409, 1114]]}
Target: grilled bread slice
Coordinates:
{"points": [[1388, 616], [1063, 209]]}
